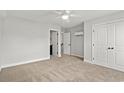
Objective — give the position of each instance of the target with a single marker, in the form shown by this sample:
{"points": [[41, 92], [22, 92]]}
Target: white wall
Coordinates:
{"points": [[23, 41], [88, 32], [1, 50]]}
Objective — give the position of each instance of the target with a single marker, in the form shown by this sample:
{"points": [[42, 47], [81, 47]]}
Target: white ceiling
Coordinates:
{"points": [[50, 15]]}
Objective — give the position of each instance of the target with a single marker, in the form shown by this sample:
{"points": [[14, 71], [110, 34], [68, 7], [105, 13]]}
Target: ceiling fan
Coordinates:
{"points": [[65, 14]]}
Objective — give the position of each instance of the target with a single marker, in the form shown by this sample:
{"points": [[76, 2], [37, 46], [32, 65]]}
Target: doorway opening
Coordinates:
{"points": [[73, 43], [53, 43]]}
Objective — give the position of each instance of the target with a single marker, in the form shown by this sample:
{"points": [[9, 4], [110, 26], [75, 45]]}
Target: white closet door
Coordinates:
{"points": [[100, 44], [111, 43], [67, 43], [119, 43], [108, 48]]}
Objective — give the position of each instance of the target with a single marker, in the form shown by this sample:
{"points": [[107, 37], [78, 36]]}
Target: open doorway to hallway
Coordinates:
{"points": [[53, 43]]}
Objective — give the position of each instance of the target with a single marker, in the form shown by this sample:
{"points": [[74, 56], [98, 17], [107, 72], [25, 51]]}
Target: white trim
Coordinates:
{"points": [[25, 62], [92, 42], [105, 65], [111, 21], [0, 68], [59, 40], [77, 55], [88, 61], [110, 66]]}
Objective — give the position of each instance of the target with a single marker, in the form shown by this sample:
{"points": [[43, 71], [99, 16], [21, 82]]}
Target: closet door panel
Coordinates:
{"points": [[119, 43], [111, 43], [111, 34], [100, 44]]}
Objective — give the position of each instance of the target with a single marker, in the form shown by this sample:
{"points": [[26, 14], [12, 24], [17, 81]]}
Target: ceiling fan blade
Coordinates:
{"points": [[72, 15], [67, 11], [60, 12], [68, 20]]}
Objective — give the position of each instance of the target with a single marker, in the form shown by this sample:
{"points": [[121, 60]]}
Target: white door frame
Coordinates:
{"points": [[59, 41], [92, 44]]}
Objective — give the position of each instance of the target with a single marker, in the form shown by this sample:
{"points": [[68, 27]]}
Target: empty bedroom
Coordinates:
{"points": [[61, 45]]}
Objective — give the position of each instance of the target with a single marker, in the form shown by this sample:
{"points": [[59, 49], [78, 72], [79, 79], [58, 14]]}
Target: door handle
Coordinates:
{"points": [[109, 48], [112, 48]]}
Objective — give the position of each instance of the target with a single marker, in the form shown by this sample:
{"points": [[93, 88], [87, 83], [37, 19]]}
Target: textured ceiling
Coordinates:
{"points": [[51, 16]]}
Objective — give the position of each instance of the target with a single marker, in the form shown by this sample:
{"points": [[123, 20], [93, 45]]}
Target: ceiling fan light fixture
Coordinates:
{"points": [[65, 17]]}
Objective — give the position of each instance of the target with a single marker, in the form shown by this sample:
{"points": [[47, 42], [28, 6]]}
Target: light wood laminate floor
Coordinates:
{"points": [[64, 69]]}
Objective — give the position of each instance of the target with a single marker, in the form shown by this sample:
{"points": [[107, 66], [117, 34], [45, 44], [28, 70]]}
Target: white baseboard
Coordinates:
{"points": [[88, 61], [25, 62], [111, 67], [0, 68], [105, 65], [77, 55]]}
